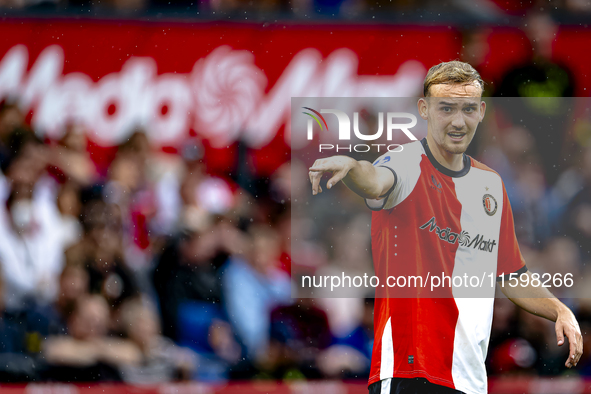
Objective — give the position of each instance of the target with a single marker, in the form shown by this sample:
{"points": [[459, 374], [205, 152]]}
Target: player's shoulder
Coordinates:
{"points": [[401, 152], [481, 166]]}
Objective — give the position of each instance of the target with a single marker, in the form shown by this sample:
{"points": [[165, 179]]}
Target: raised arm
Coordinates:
{"points": [[540, 302], [360, 176]]}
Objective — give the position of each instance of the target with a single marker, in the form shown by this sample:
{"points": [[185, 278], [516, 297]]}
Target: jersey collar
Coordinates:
{"points": [[441, 168]]}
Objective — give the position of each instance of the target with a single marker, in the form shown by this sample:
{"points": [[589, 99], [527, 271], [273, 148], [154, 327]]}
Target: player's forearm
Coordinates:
{"points": [[359, 176], [536, 300], [363, 180]]}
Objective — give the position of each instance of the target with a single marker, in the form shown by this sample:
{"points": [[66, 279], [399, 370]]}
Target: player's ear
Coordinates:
{"points": [[482, 109], [422, 106]]}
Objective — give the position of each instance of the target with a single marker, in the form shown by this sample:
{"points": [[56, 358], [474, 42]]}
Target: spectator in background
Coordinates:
{"points": [[130, 189], [520, 162], [345, 306], [11, 335], [541, 77], [585, 363], [560, 257], [188, 283], [299, 333], [577, 218], [100, 253], [15, 364], [252, 286], [11, 119], [349, 356], [32, 238], [187, 275], [544, 87], [234, 6], [73, 286], [188, 270], [162, 360], [129, 6], [70, 209], [87, 353], [70, 158]]}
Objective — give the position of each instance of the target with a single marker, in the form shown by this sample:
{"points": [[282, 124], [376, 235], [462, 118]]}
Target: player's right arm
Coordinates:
{"points": [[361, 176]]}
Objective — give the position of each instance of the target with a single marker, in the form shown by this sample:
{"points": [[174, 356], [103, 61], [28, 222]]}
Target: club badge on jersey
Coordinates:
{"points": [[490, 204]]}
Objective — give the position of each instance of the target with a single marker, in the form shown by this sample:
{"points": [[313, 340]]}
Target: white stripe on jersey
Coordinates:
{"points": [[472, 332], [409, 160], [387, 364]]}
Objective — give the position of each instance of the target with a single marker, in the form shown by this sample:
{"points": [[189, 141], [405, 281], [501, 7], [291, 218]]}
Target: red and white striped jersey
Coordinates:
{"points": [[438, 221]]}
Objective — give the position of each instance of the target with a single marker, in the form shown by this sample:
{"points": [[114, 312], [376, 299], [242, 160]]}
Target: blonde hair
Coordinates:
{"points": [[454, 72]]}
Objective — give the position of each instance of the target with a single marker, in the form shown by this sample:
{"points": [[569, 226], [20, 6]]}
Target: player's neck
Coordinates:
{"points": [[451, 161]]}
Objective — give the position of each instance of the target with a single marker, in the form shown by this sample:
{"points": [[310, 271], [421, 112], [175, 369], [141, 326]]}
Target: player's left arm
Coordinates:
{"points": [[541, 302]]}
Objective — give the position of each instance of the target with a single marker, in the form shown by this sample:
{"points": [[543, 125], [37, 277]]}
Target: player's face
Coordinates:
{"points": [[453, 113]]}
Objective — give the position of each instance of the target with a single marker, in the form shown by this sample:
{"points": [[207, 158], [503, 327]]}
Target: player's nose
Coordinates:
{"points": [[458, 122]]}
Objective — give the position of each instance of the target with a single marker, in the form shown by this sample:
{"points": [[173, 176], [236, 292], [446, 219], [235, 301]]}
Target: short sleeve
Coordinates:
{"points": [[405, 165], [510, 259]]}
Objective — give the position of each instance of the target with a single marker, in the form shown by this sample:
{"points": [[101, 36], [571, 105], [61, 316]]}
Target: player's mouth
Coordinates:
{"points": [[456, 136]]}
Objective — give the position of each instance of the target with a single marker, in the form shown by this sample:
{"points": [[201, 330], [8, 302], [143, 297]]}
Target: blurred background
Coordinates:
{"points": [[145, 158]]}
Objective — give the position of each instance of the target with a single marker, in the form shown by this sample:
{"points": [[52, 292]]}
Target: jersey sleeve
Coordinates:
{"points": [[405, 166], [383, 161], [510, 259]]}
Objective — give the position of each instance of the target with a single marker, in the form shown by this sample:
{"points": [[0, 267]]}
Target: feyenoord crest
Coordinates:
{"points": [[490, 204]]}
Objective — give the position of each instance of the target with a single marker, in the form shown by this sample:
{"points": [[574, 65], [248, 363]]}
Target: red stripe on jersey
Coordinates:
{"points": [[510, 258], [423, 329]]}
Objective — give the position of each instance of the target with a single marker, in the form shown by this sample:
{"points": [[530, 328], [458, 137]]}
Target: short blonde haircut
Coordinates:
{"points": [[454, 72]]}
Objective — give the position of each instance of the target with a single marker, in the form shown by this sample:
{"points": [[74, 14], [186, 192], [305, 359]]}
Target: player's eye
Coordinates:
{"points": [[469, 110], [446, 109]]}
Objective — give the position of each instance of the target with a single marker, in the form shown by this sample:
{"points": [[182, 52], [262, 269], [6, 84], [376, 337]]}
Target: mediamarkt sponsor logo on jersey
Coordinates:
{"points": [[464, 238]]}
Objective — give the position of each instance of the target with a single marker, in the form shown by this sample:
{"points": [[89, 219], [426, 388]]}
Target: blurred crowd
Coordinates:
{"points": [[144, 269], [399, 10]]}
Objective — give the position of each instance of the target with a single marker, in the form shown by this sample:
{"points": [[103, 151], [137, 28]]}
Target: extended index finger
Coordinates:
{"points": [[315, 177]]}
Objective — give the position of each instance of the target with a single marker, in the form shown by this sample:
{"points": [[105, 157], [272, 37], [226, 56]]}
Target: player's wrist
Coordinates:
{"points": [[562, 311], [350, 163], [352, 168]]}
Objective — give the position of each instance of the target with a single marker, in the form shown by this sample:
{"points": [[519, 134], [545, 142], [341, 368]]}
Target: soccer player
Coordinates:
{"points": [[438, 210]]}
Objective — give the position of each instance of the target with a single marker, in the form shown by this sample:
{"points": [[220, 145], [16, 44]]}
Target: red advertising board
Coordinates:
{"points": [[224, 82]]}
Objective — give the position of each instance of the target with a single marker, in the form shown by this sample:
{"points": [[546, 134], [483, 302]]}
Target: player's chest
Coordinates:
{"points": [[462, 208]]}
